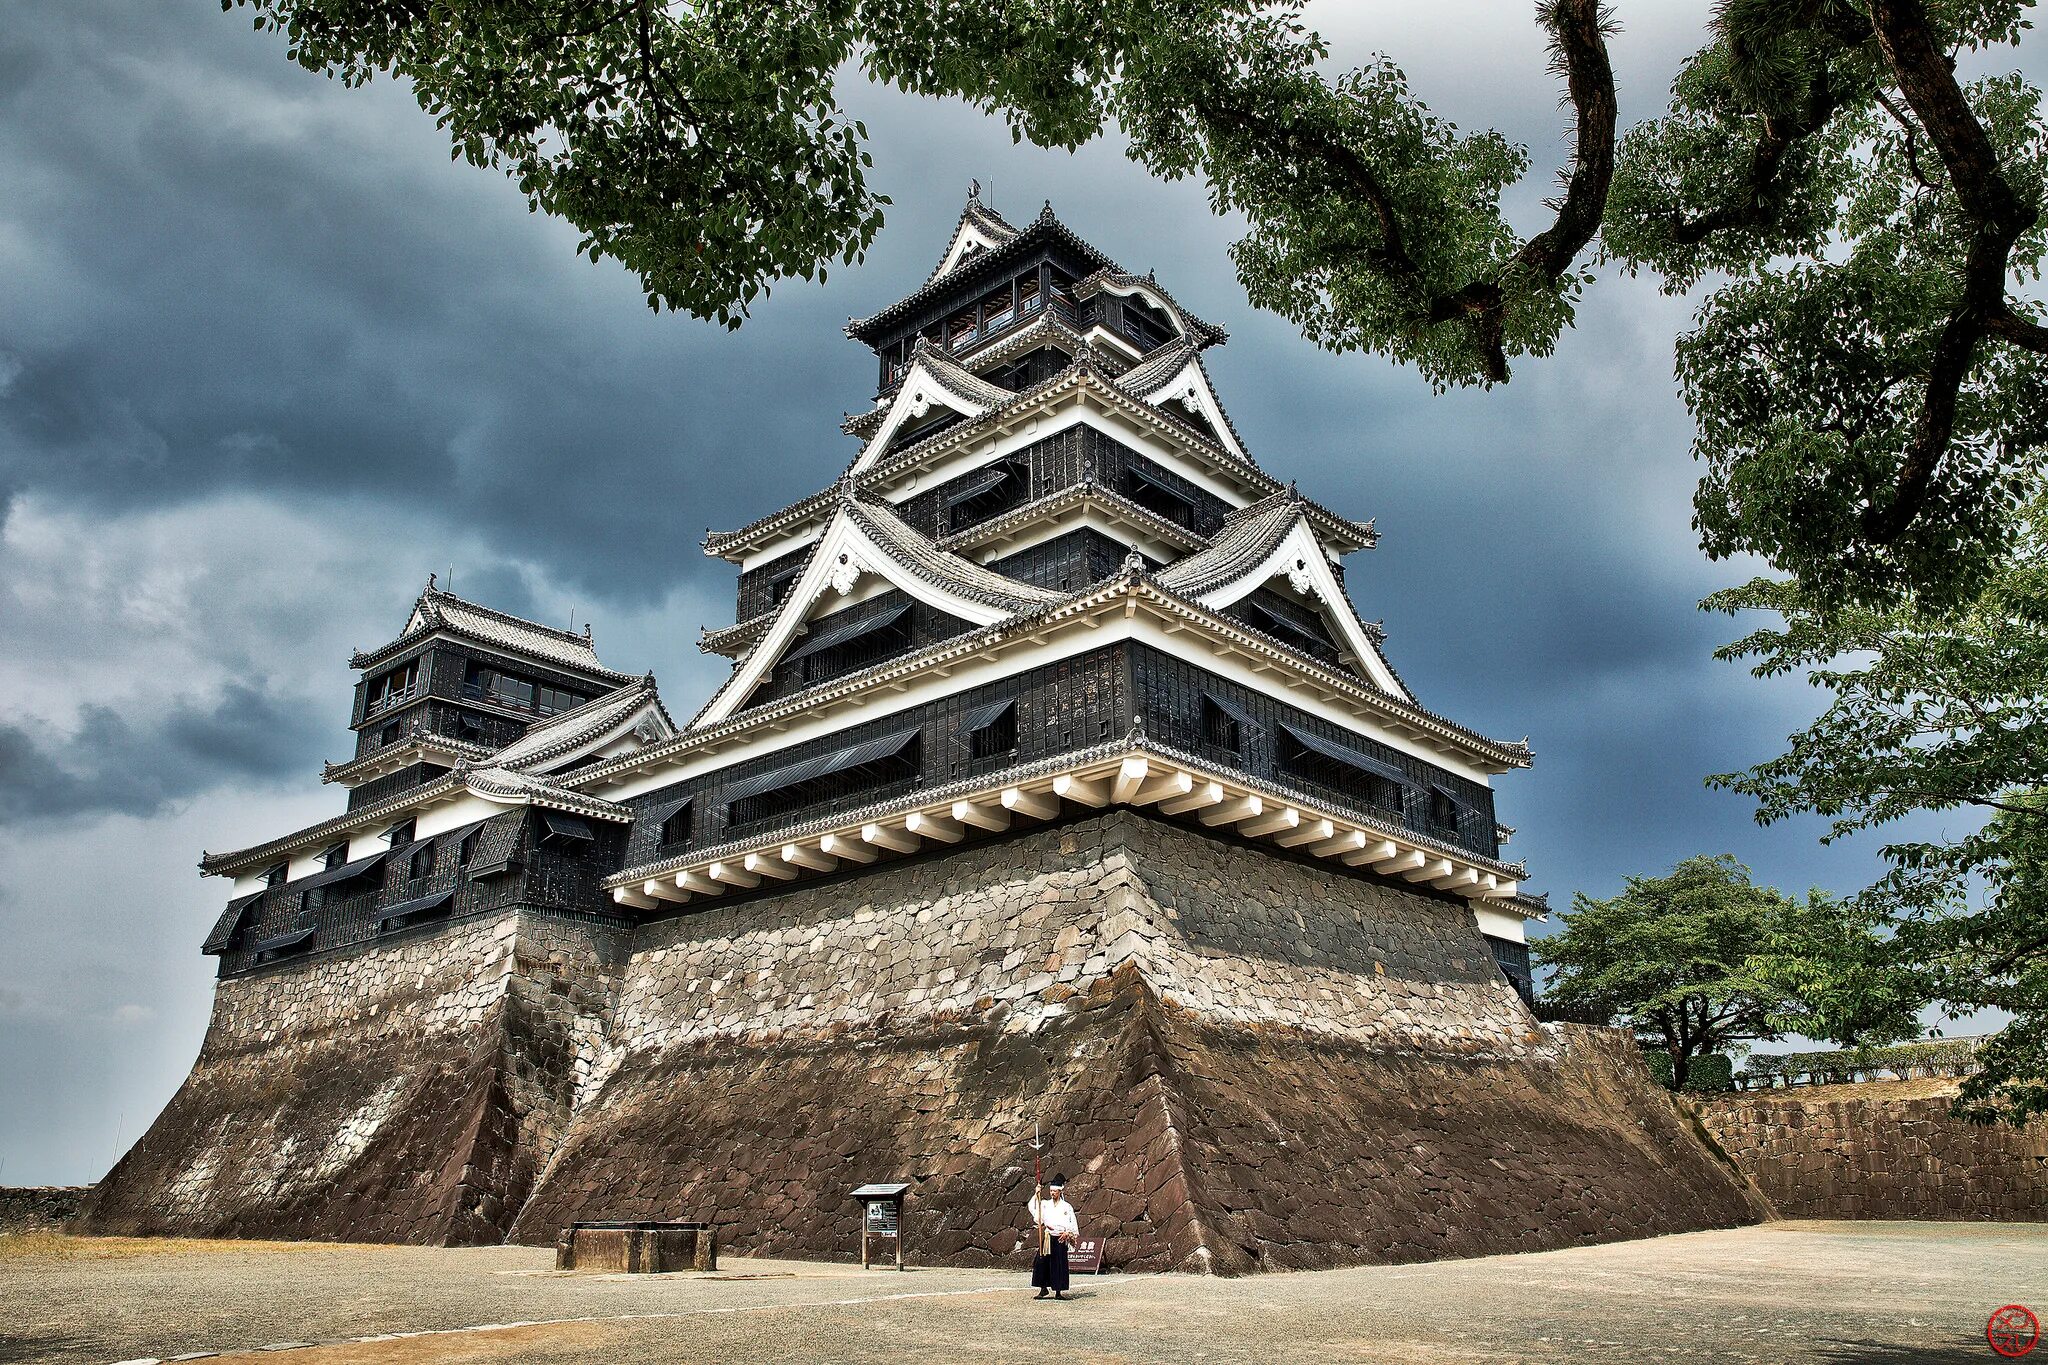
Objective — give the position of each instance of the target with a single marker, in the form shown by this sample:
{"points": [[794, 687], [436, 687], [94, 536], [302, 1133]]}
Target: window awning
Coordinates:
{"points": [[662, 814], [840, 632], [838, 760], [1140, 473], [1348, 756], [498, 867], [280, 942], [1289, 629], [1233, 710], [361, 867], [981, 717], [418, 905], [566, 826], [232, 921], [978, 483]]}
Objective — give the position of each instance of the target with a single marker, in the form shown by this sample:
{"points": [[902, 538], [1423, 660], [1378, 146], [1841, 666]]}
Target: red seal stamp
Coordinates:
{"points": [[2013, 1331]]}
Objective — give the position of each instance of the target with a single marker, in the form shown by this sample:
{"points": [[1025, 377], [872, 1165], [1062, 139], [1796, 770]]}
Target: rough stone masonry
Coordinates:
{"points": [[1243, 1062]]}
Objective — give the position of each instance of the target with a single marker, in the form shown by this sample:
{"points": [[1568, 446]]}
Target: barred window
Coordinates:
{"points": [[421, 863], [994, 732]]}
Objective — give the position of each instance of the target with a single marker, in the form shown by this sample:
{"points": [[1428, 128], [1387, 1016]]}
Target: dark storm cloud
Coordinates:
{"points": [[267, 358], [114, 763]]}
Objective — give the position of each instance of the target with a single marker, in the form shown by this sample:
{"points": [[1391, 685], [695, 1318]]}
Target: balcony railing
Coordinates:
{"points": [[961, 340], [379, 705]]}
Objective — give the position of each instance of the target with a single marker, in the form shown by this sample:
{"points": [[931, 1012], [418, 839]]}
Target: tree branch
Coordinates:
{"points": [[1927, 79]]}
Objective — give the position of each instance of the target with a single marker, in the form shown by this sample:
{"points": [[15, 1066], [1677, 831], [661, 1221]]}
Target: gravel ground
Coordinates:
{"points": [[1838, 1292]]}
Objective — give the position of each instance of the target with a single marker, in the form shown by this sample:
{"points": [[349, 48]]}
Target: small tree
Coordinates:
{"points": [[1671, 958]]}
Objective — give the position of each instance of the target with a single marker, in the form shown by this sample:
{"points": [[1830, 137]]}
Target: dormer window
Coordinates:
{"points": [[275, 874], [465, 852], [334, 857], [421, 864], [400, 834]]}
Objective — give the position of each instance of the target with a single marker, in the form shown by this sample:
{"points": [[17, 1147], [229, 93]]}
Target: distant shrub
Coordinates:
{"points": [[1709, 1075]]}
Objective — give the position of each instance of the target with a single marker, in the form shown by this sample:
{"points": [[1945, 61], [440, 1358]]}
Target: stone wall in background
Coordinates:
{"points": [[1243, 1062], [1880, 1149], [404, 1092], [37, 1208]]}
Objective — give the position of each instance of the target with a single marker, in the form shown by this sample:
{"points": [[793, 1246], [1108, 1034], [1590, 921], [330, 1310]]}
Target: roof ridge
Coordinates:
{"points": [[438, 594]]}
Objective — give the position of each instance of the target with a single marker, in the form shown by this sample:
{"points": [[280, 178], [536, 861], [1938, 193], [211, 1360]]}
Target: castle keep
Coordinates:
{"points": [[1058, 779]]}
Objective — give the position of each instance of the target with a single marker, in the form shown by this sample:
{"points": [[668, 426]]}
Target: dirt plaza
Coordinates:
{"points": [[1826, 1291]]}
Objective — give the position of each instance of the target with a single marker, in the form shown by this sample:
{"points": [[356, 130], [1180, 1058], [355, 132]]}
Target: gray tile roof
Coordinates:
{"points": [[1248, 536], [562, 734], [922, 555], [438, 609], [1042, 228]]}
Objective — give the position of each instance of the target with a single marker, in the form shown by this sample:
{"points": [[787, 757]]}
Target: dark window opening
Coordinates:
{"points": [[465, 852], [988, 493], [1513, 960], [555, 700], [334, 857], [275, 874], [390, 733], [838, 646], [991, 731], [400, 833], [1335, 767], [860, 769], [469, 730], [782, 580], [400, 685], [931, 424], [677, 828], [484, 683], [1312, 640], [1220, 729], [1443, 809], [421, 864], [1153, 493]]}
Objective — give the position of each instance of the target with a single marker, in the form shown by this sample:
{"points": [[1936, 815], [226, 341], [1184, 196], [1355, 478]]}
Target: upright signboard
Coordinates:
{"points": [[881, 1218]]}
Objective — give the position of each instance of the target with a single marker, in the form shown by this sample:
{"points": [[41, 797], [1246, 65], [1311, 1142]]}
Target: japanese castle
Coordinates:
{"points": [[1052, 580]]}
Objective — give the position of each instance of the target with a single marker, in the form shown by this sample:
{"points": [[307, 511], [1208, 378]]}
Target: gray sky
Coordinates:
{"points": [[267, 357]]}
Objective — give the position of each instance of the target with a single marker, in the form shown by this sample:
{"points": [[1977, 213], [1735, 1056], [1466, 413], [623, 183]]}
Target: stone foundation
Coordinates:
{"points": [[1880, 1149], [405, 1093], [1242, 1061], [39, 1208]]}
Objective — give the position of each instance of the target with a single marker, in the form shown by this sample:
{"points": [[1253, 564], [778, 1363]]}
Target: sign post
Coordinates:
{"points": [[881, 1210]]}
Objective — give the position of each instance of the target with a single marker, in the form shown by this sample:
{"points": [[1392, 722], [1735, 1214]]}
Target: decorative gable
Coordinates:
{"points": [[862, 542]]}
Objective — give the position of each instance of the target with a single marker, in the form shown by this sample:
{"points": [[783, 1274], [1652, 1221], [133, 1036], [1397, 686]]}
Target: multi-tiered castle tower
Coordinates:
{"points": [[1058, 779]]}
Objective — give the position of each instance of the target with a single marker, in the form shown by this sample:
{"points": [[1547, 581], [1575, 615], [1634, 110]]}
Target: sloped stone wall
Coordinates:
{"points": [[1880, 1149], [405, 1092], [1242, 1061], [33, 1208]]}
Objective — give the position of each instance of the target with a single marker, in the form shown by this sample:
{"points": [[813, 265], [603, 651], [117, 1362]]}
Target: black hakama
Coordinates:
{"points": [[1049, 1268]]}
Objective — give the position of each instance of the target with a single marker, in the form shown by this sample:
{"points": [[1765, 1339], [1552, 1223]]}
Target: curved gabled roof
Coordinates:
{"points": [[1249, 536], [1045, 227], [507, 787], [956, 574], [569, 731], [439, 609]]}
